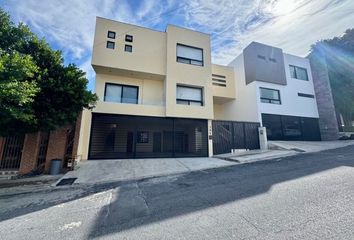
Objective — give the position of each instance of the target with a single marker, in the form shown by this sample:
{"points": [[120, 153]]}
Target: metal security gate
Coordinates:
{"points": [[281, 127], [11, 157], [123, 136], [42, 151], [229, 135]]}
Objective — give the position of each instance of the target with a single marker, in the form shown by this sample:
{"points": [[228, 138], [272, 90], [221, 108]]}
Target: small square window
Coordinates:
{"points": [[128, 38], [111, 34], [110, 45], [128, 48]]}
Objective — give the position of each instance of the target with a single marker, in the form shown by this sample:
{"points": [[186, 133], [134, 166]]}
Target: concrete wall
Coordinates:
{"points": [[223, 94], [244, 107], [186, 74], [149, 48], [328, 120], [291, 103], [264, 63]]}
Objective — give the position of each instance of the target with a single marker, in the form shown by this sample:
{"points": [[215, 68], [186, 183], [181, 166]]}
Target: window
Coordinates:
{"points": [[121, 93], [298, 73], [128, 38], [111, 34], [128, 48], [261, 57], [110, 45], [305, 95], [273, 60], [143, 137], [270, 96], [189, 55], [189, 96]]}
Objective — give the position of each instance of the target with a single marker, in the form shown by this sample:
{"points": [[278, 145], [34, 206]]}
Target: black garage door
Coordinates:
{"points": [[280, 127], [121, 136], [229, 135]]}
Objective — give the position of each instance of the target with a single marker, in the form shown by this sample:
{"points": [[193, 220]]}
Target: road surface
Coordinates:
{"points": [[308, 196]]}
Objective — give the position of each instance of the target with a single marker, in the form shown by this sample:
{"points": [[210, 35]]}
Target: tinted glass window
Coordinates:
{"points": [[189, 95], [130, 95], [121, 93], [189, 55], [298, 73], [128, 48], [270, 95], [113, 93], [110, 45], [111, 34]]}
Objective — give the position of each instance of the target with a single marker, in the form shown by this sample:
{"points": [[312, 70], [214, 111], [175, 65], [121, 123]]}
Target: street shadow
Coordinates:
{"points": [[155, 200]]}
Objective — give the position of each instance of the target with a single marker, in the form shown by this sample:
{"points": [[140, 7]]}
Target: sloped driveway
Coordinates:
{"points": [[105, 171]]}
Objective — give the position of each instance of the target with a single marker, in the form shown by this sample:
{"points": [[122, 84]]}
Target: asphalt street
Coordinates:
{"points": [[308, 196]]}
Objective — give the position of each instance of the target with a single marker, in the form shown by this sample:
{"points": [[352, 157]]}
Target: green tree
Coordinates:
{"points": [[338, 54], [37, 91]]}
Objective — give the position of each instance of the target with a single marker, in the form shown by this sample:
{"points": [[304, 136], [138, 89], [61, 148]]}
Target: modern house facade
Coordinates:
{"points": [[275, 89], [161, 96]]}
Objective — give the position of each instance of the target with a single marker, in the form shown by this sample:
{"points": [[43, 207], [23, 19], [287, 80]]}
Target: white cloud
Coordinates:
{"points": [[290, 24]]}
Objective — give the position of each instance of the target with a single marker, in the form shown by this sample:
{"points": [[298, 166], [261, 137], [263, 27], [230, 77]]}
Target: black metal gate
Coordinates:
{"points": [[123, 136], [229, 135], [42, 151], [11, 157]]}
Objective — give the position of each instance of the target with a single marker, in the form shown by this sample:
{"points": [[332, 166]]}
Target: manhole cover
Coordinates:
{"points": [[66, 181]]}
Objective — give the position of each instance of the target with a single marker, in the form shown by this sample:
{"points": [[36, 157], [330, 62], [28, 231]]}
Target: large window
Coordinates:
{"points": [[189, 55], [121, 93], [270, 96], [298, 73], [189, 96]]}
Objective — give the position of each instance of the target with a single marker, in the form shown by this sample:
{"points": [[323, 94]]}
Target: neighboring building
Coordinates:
{"points": [[275, 89], [33, 152], [160, 95]]}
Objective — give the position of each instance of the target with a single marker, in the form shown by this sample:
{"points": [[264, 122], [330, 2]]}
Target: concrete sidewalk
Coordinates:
{"points": [[280, 149], [309, 146], [106, 171]]}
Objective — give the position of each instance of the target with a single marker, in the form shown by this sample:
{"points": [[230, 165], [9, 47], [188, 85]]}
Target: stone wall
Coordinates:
{"points": [[328, 120]]}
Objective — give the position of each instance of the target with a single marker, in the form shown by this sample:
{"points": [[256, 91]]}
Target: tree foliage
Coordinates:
{"points": [[37, 91], [339, 57]]}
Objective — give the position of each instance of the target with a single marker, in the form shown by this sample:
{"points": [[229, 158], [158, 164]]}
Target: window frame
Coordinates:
{"points": [[121, 94], [109, 32], [189, 60], [269, 100], [189, 101], [110, 42], [128, 45], [127, 36], [295, 71]]}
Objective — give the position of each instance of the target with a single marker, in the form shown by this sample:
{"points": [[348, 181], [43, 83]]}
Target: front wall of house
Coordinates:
{"points": [[291, 103], [187, 74], [148, 48]]}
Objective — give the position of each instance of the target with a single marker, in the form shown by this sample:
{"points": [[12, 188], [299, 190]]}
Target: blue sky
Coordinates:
{"points": [[68, 25]]}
